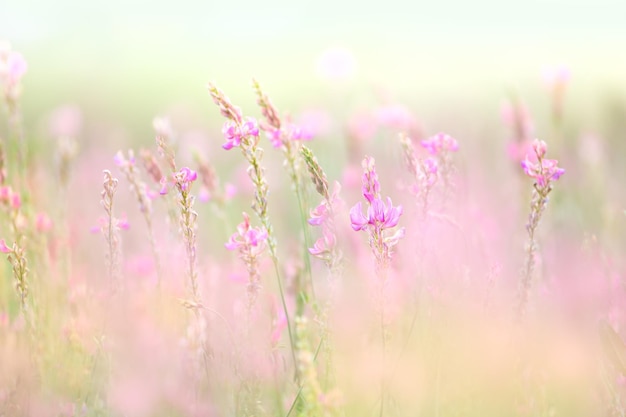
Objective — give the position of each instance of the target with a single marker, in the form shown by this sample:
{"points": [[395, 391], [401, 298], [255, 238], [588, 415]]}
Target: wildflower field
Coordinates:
{"points": [[304, 254]]}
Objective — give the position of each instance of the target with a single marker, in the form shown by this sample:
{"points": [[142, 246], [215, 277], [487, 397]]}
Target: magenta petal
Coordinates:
{"points": [[318, 247], [4, 248], [357, 220], [231, 244]]}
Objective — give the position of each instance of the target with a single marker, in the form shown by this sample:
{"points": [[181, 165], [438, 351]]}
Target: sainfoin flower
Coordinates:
{"points": [[439, 143], [544, 170], [379, 215], [320, 214], [247, 238], [185, 177], [287, 133], [235, 133], [370, 185], [324, 245], [4, 248]]}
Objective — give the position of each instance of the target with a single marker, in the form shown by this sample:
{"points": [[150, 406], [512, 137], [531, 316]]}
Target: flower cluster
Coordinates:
{"points": [[322, 215], [181, 180], [184, 178], [248, 239], [440, 143], [250, 242], [235, 132], [380, 215], [544, 171], [10, 198], [279, 136], [424, 171], [441, 146], [244, 133]]}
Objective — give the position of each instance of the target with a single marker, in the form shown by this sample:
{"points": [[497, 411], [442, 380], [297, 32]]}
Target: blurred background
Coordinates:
{"points": [[131, 60]]}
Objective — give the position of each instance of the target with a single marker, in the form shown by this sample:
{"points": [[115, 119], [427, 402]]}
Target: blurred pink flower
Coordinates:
{"points": [[287, 132], [556, 77], [441, 142], [121, 161], [517, 151], [43, 222], [16, 67], [65, 121], [324, 244], [230, 190], [247, 238], [8, 196], [4, 248], [369, 180], [16, 201], [314, 122], [122, 223], [140, 266], [395, 116], [336, 64], [319, 214], [5, 193]]}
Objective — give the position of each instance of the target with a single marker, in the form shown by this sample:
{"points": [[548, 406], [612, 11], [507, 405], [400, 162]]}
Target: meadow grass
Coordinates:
{"points": [[379, 269]]}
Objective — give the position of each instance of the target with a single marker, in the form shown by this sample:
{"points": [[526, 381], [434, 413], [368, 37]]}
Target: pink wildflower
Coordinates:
{"points": [[319, 214], [5, 193], [230, 190], [323, 245], [185, 177], [289, 132], [439, 143], [556, 77], [235, 133], [371, 186], [120, 160], [4, 248], [232, 134], [275, 137], [164, 189], [395, 116], [379, 215], [123, 223], [43, 222], [16, 67], [247, 238], [430, 166], [65, 121], [544, 170]]}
